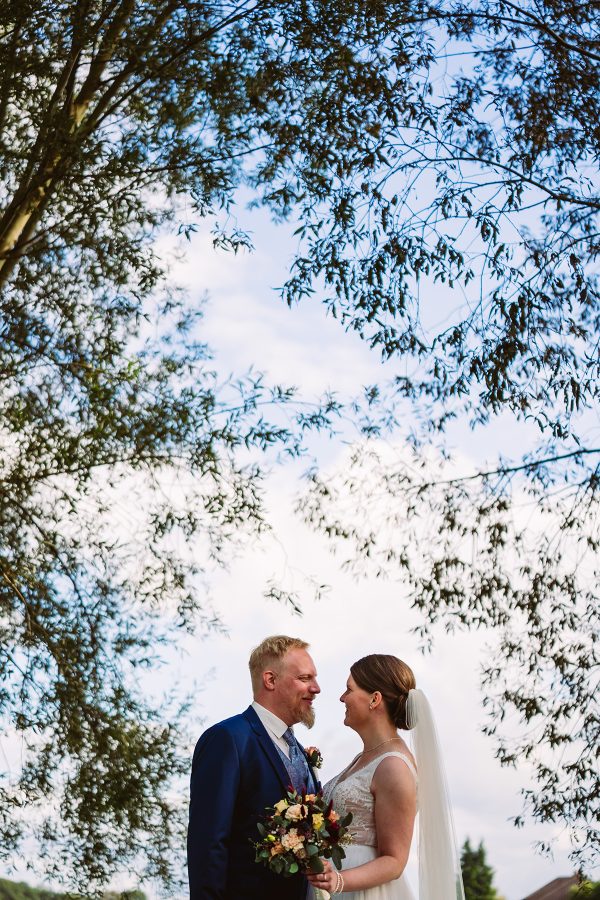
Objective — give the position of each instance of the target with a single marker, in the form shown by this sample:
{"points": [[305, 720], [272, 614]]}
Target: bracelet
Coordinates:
{"points": [[339, 883]]}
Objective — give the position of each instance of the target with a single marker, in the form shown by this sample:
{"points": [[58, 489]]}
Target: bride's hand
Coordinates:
{"points": [[326, 880]]}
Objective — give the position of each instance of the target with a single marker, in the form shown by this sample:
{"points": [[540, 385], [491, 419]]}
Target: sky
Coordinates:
{"points": [[247, 324]]}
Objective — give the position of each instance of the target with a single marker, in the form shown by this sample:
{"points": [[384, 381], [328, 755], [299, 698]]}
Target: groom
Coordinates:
{"points": [[243, 765]]}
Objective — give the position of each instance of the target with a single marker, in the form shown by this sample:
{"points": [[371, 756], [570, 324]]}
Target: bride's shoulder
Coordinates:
{"points": [[394, 765]]}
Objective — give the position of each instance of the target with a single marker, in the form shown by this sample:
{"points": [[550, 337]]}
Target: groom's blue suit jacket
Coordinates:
{"points": [[236, 773]]}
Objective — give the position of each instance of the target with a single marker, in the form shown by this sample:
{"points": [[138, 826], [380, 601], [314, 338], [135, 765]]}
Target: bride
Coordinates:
{"points": [[385, 785]]}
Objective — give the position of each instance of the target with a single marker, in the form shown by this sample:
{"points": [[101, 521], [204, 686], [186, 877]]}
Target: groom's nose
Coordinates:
{"points": [[314, 687]]}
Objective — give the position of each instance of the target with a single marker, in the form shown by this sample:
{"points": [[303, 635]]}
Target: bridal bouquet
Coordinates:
{"points": [[299, 830]]}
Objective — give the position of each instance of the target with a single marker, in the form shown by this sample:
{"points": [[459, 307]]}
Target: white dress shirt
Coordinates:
{"points": [[274, 725]]}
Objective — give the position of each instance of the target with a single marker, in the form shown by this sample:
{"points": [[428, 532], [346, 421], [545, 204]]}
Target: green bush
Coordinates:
{"points": [[18, 890], [587, 890]]}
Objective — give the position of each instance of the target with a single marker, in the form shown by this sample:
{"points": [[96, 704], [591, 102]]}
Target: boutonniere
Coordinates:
{"points": [[313, 755]]}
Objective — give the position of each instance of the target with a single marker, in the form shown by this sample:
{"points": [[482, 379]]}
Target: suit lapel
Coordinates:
{"points": [[268, 746]]}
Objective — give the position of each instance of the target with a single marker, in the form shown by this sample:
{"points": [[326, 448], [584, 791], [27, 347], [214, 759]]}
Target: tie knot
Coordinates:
{"points": [[288, 736]]}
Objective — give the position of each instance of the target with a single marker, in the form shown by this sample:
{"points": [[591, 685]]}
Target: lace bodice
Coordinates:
{"points": [[352, 793]]}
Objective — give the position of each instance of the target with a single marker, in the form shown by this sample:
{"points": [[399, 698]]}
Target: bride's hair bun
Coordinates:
{"points": [[391, 677]]}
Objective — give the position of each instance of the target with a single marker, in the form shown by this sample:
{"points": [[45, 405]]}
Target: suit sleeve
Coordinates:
{"points": [[213, 792]]}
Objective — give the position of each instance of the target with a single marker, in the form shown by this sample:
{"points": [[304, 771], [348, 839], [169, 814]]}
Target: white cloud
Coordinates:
{"points": [[247, 324]]}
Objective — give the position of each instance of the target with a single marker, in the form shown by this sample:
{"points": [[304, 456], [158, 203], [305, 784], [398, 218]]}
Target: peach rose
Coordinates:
{"points": [[292, 839], [295, 813]]}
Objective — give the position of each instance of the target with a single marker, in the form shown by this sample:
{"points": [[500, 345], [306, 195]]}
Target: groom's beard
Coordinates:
{"points": [[306, 715]]}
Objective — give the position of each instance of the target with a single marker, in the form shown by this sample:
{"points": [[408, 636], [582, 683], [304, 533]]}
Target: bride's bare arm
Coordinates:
{"points": [[394, 789], [395, 795]]}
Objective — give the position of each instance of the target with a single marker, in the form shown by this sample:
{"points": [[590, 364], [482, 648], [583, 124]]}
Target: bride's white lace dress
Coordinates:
{"points": [[352, 793]]}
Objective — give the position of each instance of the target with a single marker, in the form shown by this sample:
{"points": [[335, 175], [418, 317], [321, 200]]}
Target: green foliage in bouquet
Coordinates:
{"points": [[299, 831]]}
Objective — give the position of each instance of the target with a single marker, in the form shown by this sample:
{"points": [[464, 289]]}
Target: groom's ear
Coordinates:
{"points": [[268, 678]]}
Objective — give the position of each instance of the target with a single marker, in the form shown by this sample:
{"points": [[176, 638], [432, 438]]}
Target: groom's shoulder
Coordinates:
{"points": [[236, 726]]}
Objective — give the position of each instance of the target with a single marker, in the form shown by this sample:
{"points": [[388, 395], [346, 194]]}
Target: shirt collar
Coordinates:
{"points": [[271, 722]]}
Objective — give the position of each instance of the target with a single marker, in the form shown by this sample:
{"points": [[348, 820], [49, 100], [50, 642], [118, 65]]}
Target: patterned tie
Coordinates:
{"points": [[297, 764]]}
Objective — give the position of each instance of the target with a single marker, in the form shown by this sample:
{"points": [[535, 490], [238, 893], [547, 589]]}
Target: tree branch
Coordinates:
{"points": [[511, 470]]}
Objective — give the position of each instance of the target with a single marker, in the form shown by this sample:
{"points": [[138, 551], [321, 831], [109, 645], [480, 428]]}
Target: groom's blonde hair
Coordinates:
{"points": [[269, 653]]}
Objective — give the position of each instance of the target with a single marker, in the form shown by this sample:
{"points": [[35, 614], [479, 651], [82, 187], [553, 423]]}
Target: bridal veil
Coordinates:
{"points": [[439, 865]]}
